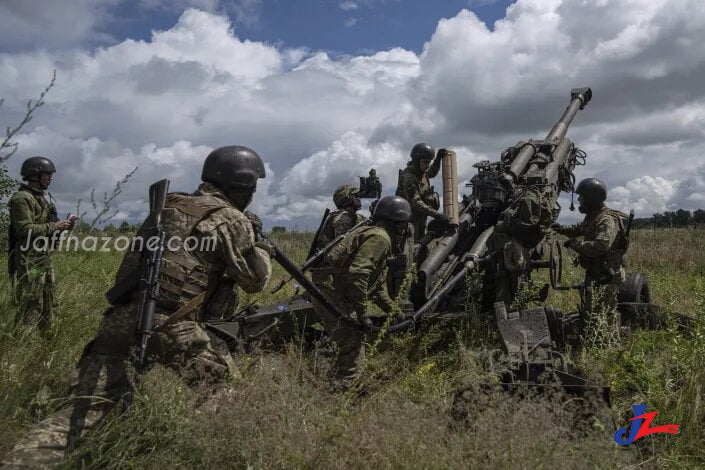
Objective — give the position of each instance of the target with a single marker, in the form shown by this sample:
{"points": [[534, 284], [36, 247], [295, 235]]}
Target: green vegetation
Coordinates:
{"points": [[279, 412]]}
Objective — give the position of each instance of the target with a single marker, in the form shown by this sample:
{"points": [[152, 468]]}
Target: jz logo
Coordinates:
{"points": [[640, 427]]}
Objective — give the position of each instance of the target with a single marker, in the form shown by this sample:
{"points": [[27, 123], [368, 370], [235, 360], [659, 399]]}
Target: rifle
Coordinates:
{"points": [[314, 258], [149, 281], [317, 235]]}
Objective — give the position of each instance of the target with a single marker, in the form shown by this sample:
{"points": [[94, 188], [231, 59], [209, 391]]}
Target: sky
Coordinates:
{"points": [[326, 90]]}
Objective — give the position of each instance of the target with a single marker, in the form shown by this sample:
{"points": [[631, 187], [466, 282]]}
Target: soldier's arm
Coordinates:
{"points": [[572, 231], [606, 232], [363, 266], [435, 167], [381, 297], [245, 263], [413, 195], [22, 217]]}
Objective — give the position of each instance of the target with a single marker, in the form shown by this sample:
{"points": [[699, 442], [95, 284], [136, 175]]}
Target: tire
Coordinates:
{"points": [[635, 288]]}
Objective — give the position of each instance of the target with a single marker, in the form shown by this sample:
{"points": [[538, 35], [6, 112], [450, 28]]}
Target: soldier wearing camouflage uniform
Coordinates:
{"points": [[194, 285], [355, 271], [414, 186], [601, 253], [344, 218], [373, 185], [33, 223]]}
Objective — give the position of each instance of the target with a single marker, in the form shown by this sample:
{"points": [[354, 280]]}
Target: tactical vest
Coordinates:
{"points": [[425, 190], [47, 213], [182, 277], [341, 255], [608, 266]]}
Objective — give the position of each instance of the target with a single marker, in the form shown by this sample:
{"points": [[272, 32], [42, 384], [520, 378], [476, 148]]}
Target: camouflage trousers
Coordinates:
{"points": [[100, 381], [34, 294], [349, 342]]}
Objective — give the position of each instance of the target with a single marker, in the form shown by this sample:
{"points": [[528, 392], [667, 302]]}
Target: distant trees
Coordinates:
{"points": [[679, 218]]}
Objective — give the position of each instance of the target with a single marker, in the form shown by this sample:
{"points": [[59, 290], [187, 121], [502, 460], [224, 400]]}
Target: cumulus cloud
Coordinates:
{"points": [[320, 121]]}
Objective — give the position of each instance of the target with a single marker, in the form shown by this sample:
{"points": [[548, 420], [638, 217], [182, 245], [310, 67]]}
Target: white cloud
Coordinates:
{"points": [[348, 6], [350, 22], [320, 121]]}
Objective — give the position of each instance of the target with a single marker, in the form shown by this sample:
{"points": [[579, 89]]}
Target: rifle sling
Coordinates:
{"points": [[186, 309]]}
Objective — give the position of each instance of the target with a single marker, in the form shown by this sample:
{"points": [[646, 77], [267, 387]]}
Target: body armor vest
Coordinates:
{"points": [[182, 277]]}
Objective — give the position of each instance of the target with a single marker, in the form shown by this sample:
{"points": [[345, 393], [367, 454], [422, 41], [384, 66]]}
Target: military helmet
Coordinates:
{"points": [[593, 191], [421, 151], [392, 208], [343, 195], [233, 168], [373, 172], [33, 166]]}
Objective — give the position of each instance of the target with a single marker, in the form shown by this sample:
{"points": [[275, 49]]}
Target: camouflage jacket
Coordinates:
{"points": [[216, 266], [338, 223], [604, 243], [416, 188], [31, 216], [364, 273]]}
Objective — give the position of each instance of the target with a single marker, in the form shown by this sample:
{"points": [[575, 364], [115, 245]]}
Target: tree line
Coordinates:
{"points": [[668, 219]]}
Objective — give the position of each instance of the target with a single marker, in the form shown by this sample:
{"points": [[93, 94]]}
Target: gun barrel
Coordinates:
{"points": [[579, 98]]}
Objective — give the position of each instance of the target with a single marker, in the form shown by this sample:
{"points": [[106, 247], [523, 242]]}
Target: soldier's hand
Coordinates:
{"points": [[442, 153], [571, 243], [266, 246], [255, 221], [62, 225]]}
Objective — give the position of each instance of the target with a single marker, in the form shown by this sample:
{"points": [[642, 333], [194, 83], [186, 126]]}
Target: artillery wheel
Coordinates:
{"points": [[635, 288]]}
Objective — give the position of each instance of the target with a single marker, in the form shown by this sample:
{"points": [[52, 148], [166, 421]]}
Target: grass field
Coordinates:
{"points": [[279, 412]]}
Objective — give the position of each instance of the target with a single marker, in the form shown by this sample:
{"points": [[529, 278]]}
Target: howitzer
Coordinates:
{"points": [[149, 280], [517, 197]]}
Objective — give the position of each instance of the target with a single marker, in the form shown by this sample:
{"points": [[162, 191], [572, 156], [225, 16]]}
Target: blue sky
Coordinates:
{"points": [[158, 84]]}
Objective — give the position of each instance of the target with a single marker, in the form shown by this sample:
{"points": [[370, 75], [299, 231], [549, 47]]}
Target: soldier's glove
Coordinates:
{"points": [[442, 153], [266, 246], [571, 243], [255, 221]]}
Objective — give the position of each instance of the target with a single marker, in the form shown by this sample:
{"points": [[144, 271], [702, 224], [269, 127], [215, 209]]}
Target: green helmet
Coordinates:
{"points": [[33, 166], [593, 193], [344, 195], [392, 208]]}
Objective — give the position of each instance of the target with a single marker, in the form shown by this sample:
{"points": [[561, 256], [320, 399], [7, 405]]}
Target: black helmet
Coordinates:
{"points": [[593, 193], [392, 208], [422, 152], [33, 166], [233, 168]]}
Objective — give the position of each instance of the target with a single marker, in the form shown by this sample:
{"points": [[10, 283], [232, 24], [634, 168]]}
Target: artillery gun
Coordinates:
{"points": [[503, 233]]}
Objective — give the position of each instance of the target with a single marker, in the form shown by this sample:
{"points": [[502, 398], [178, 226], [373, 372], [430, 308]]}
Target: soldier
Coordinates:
{"points": [[194, 285], [414, 186], [355, 271], [344, 218], [374, 185], [33, 223], [601, 253]]}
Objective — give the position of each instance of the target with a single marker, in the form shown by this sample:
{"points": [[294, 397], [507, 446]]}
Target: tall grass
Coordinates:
{"points": [[280, 412]]}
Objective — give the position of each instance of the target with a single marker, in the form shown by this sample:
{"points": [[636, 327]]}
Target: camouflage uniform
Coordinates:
{"points": [[601, 254], [373, 185], [358, 273], [338, 223], [415, 187], [206, 275], [31, 271]]}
